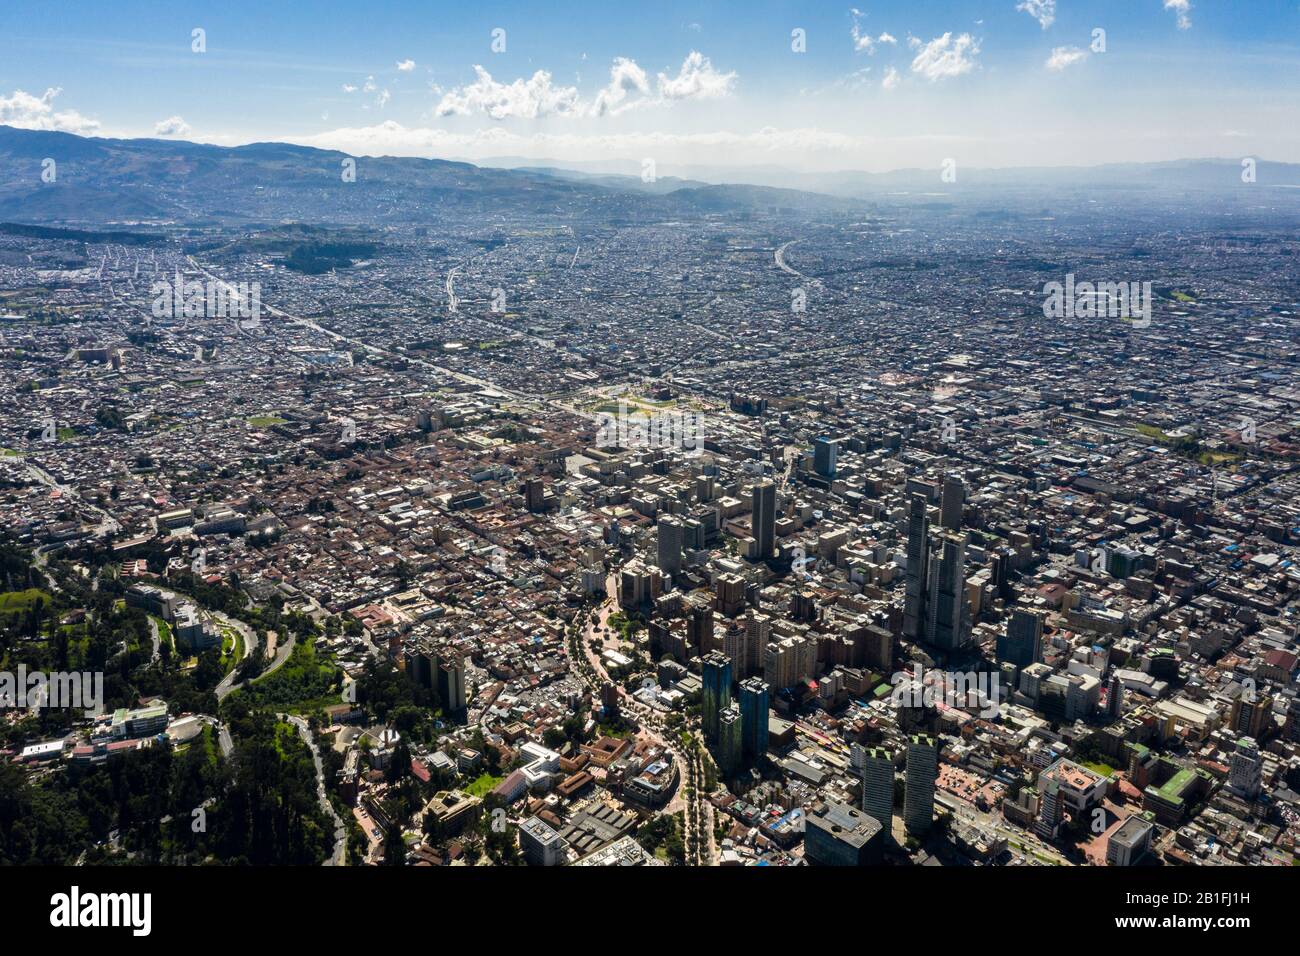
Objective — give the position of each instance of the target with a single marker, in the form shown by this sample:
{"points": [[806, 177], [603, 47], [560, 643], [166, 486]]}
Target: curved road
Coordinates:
{"points": [[694, 807], [337, 858]]}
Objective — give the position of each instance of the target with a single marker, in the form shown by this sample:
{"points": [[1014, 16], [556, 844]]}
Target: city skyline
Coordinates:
{"points": [[532, 438]]}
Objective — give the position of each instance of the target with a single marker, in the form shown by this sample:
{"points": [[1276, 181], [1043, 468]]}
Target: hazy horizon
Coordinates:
{"points": [[1005, 85]]}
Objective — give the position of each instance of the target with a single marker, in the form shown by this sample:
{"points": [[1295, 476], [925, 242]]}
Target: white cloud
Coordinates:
{"points": [[1183, 9], [1063, 56], [349, 88], [406, 66], [172, 126], [522, 99], [862, 40], [37, 112], [891, 80], [945, 56], [624, 77], [1044, 11], [696, 80], [628, 88], [382, 99], [369, 86]]}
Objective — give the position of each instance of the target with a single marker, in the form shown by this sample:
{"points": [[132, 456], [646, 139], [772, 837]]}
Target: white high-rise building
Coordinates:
{"points": [[1246, 771]]}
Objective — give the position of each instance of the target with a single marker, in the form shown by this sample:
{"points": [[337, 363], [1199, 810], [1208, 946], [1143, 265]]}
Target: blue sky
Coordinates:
{"points": [[882, 86]]}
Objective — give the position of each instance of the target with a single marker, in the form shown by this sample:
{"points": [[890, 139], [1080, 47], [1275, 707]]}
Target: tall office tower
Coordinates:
{"points": [[692, 534], [738, 644], [754, 717], [825, 452], [1247, 717], [805, 649], [534, 493], [699, 629], [918, 569], [777, 666], [760, 627], [918, 793], [951, 502], [1000, 575], [730, 749], [877, 647], [756, 637], [1051, 808], [803, 606], [947, 622], [420, 665], [451, 681], [1115, 696], [1022, 644], [716, 696], [633, 585], [878, 786], [731, 594], [671, 534], [1246, 772], [790, 660], [609, 699], [764, 519]]}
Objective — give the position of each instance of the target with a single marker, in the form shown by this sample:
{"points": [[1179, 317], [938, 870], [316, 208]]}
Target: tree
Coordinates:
{"points": [[394, 846]]}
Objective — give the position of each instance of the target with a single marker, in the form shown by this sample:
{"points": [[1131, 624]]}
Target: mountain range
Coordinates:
{"points": [[98, 181]]}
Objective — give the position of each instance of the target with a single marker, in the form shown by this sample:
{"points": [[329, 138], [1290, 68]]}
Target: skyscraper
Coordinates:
{"points": [[671, 534], [878, 786], [699, 629], [1245, 773], [1022, 644], [739, 645], [535, 494], [716, 696], [1249, 713], [451, 681], [754, 717], [918, 569], [760, 626], [947, 623], [764, 519], [918, 795], [951, 502], [790, 660], [1051, 808], [730, 749], [825, 452], [998, 575]]}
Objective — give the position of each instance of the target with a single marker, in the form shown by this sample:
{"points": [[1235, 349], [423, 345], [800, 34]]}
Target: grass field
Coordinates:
{"points": [[232, 648], [482, 786], [19, 602]]}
